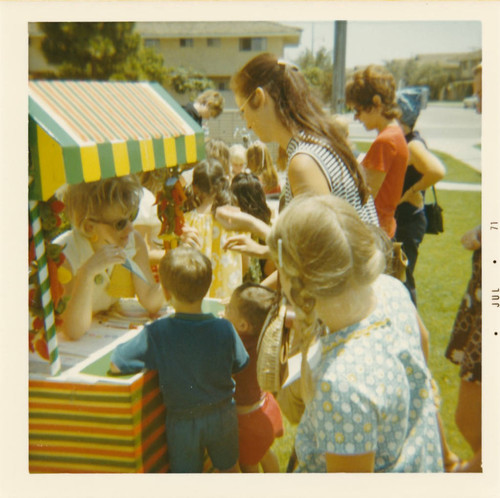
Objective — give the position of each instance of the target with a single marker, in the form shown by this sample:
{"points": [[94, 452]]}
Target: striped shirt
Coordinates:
{"points": [[338, 176]]}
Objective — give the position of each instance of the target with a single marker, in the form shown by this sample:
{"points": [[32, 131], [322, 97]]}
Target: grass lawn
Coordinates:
{"points": [[442, 273], [456, 170], [443, 270]]}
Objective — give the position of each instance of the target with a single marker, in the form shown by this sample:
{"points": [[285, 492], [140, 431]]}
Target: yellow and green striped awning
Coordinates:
{"points": [[83, 131]]}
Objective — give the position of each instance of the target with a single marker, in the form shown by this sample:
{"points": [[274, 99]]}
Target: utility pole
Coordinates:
{"points": [[312, 38], [338, 82]]}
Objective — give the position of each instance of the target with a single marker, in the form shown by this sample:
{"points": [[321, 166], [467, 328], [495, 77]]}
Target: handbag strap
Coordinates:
{"points": [[273, 313], [434, 193]]}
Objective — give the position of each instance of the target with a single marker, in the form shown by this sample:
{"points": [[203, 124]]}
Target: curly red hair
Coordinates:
{"points": [[366, 83]]}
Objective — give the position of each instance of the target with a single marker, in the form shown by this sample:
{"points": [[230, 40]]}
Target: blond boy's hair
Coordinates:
{"points": [[254, 302], [239, 151], [213, 100], [87, 200], [186, 273]]}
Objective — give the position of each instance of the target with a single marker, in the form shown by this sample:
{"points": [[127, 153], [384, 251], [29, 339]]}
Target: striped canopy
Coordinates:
{"points": [[83, 131]]}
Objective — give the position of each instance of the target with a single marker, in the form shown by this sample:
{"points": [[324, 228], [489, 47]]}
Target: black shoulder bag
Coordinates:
{"points": [[434, 214]]}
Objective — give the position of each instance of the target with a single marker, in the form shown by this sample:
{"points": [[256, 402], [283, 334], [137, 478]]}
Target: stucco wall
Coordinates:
{"points": [[213, 61]]}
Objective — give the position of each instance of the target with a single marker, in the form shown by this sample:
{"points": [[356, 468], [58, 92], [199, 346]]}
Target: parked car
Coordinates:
{"points": [[471, 102]]}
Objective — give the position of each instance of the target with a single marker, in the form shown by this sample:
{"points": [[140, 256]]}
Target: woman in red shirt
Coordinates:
{"points": [[372, 94]]}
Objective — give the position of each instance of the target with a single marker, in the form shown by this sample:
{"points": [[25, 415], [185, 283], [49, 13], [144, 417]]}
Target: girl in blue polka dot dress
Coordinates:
{"points": [[369, 401]]}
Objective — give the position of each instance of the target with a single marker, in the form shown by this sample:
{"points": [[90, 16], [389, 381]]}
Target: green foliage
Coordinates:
{"points": [[100, 51], [442, 273], [112, 51], [411, 73], [318, 71], [284, 445], [458, 171], [188, 81]]}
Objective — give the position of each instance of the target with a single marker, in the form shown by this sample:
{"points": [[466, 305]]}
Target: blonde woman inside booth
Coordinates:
{"points": [[100, 240]]}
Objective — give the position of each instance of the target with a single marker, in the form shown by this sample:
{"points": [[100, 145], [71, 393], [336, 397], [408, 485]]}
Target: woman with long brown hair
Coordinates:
{"points": [[279, 106]]}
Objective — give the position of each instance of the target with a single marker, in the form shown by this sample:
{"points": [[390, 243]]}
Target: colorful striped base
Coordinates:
{"points": [[97, 428]]}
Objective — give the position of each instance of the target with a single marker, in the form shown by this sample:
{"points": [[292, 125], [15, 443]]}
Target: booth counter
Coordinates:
{"points": [[88, 420]]}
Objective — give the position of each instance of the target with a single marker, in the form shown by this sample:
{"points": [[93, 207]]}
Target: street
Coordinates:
{"points": [[445, 127]]}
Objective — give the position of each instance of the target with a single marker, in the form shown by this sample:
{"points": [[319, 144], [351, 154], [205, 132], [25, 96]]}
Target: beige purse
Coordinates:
{"points": [[399, 262], [272, 350]]}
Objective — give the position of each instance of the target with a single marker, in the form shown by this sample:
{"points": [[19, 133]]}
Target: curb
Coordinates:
{"points": [[468, 187]]}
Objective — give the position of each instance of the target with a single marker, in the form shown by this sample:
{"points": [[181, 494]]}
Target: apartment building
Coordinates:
{"points": [[216, 49]]}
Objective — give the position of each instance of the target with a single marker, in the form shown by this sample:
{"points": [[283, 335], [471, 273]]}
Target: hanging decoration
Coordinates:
{"points": [[84, 131], [170, 201], [46, 275]]}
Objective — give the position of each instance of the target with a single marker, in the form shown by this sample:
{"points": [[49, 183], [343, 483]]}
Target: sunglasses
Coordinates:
{"points": [[242, 106], [120, 224]]}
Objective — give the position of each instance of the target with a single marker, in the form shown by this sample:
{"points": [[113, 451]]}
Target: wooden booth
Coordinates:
{"points": [[81, 419]]}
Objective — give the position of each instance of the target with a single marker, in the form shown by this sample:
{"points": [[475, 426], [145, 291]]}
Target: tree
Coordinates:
{"points": [[188, 81], [435, 76], [100, 51], [413, 73], [318, 71]]}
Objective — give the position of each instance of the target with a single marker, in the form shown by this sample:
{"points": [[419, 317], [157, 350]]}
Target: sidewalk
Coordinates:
{"points": [[463, 150], [445, 127], [444, 185], [469, 187]]}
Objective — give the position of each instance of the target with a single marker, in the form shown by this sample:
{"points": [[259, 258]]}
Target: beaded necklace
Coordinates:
{"points": [[354, 335]]}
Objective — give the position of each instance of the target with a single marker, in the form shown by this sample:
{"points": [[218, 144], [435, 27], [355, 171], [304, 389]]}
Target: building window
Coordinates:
{"points": [[221, 83], [253, 44], [186, 42], [152, 43], [213, 42]]}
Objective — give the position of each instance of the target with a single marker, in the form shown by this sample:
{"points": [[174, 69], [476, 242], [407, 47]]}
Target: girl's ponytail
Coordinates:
{"points": [[223, 194]]}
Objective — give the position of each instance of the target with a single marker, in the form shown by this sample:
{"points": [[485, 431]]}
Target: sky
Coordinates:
{"points": [[380, 41]]}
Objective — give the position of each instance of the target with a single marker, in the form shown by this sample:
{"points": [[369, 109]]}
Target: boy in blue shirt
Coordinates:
{"points": [[195, 354]]}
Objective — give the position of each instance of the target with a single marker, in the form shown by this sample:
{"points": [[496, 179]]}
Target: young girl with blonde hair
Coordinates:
{"points": [[260, 163], [101, 239], [278, 105], [219, 150], [237, 159], [369, 405]]}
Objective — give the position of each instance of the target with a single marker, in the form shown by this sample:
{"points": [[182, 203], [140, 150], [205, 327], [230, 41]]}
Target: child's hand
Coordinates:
{"points": [[105, 257], [246, 245], [191, 237]]}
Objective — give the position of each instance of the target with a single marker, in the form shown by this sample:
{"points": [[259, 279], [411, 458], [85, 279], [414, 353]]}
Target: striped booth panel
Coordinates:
{"points": [[97, 428], [83, 131]]}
